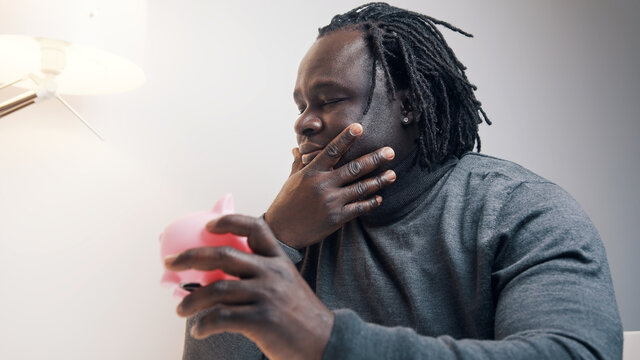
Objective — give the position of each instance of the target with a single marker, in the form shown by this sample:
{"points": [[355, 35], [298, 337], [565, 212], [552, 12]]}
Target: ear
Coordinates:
{"points": [[407, 108], [405, 101]]}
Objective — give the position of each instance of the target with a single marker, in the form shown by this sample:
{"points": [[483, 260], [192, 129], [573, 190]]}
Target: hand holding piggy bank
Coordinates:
{"points": [[188, 232]]}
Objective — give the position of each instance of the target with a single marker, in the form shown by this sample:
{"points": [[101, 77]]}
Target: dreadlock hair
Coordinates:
{"points": [[415, 57]]}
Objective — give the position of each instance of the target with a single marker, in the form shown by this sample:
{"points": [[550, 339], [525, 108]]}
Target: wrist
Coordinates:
{"points": [[276, 230]]}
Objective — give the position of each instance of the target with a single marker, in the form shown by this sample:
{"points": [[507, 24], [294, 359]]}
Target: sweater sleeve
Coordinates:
{"points": [[551, 284], [294, 255]]}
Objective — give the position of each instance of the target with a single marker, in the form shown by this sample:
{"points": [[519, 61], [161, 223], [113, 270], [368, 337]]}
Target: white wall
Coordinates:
{"points": [[79, 218]]}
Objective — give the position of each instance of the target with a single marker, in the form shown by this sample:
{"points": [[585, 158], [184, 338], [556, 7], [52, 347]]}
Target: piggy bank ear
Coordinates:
{"points": [[224, 205]]}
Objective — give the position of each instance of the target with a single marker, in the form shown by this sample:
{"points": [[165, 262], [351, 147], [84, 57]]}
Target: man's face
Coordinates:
{"points": [[331, 92]]}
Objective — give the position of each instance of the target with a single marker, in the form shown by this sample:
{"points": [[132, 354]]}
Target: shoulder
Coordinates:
{"points": [[486, 178], [503, 190], [488, 167], [515, 203]]}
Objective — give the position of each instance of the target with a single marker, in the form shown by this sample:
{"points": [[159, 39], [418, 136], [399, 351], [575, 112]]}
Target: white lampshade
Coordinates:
{"points": [[89, 47]]}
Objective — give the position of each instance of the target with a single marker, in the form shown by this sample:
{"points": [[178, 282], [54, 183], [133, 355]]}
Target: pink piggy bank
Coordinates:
{"points": [[189, 231]]}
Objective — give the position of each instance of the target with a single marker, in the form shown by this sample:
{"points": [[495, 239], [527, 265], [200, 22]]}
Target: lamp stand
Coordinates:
{"points": [[31, 97]]}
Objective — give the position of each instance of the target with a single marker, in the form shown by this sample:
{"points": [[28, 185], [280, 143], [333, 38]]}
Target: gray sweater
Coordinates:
{"points": [[479, 259]]}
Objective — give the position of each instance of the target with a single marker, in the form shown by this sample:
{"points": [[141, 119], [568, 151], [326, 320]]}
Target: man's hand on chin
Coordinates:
{"points": [[317, 199]]}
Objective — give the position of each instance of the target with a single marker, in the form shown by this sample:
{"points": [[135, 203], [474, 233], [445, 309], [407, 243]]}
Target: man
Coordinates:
{"points": [[405, 243]]}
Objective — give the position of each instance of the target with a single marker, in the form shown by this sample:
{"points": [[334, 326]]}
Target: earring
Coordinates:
{"points": [[405, 118]]}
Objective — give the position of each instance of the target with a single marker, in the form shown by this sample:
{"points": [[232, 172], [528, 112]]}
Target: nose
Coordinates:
{"points": [[307, 124]]}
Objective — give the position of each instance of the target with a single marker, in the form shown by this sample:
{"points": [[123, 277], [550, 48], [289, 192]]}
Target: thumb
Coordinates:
{"points": [[297, 161]]}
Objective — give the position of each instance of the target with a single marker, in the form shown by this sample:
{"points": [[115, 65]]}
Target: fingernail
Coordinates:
{"points": [[355, 129], [388, 153], [194, 331], [379, 199], [390, 175], [168, 260]]}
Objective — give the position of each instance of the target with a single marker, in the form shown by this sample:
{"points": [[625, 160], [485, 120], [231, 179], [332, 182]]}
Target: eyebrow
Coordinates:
{"points": [[321, 84]]}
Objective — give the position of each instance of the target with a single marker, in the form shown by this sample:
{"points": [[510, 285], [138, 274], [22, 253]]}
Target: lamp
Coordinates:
{"points": [[57, 47]]}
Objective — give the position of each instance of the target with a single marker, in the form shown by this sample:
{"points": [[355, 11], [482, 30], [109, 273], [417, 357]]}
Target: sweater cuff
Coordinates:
{"points": [[344, 340], [295, 255]]}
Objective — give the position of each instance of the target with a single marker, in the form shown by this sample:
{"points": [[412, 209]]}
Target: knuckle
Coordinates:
{"points": [[279, 271], [354, 168], [285, 276], [270, 294], [379, 182], [272, 317], [266, 314], [319, 188], [376, 158], [224, 253], [332, 150], [333, 219], [308, 172], [262, 295], [219, 286], [361, 208], [361, 189], [221, 313]]}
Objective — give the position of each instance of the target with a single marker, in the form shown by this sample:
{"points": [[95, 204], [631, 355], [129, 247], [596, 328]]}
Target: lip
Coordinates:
{"points": [[308, 148]]}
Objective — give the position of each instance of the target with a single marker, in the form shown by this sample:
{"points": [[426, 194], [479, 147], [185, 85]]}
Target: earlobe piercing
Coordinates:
{"points": [[405, 118]]}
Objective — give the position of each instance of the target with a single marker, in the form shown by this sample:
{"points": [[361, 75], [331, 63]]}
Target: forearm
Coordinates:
{"points": [[352, 338]]}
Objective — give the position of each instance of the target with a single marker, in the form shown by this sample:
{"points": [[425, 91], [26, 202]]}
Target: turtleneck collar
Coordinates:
{"points": [[412, 180]]}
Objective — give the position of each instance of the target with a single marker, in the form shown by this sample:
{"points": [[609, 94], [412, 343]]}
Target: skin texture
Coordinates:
{"points": [[342, 161]]}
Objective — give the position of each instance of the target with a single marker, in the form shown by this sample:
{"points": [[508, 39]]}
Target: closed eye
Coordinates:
{"points": [[323, 103], [332, 101]]}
